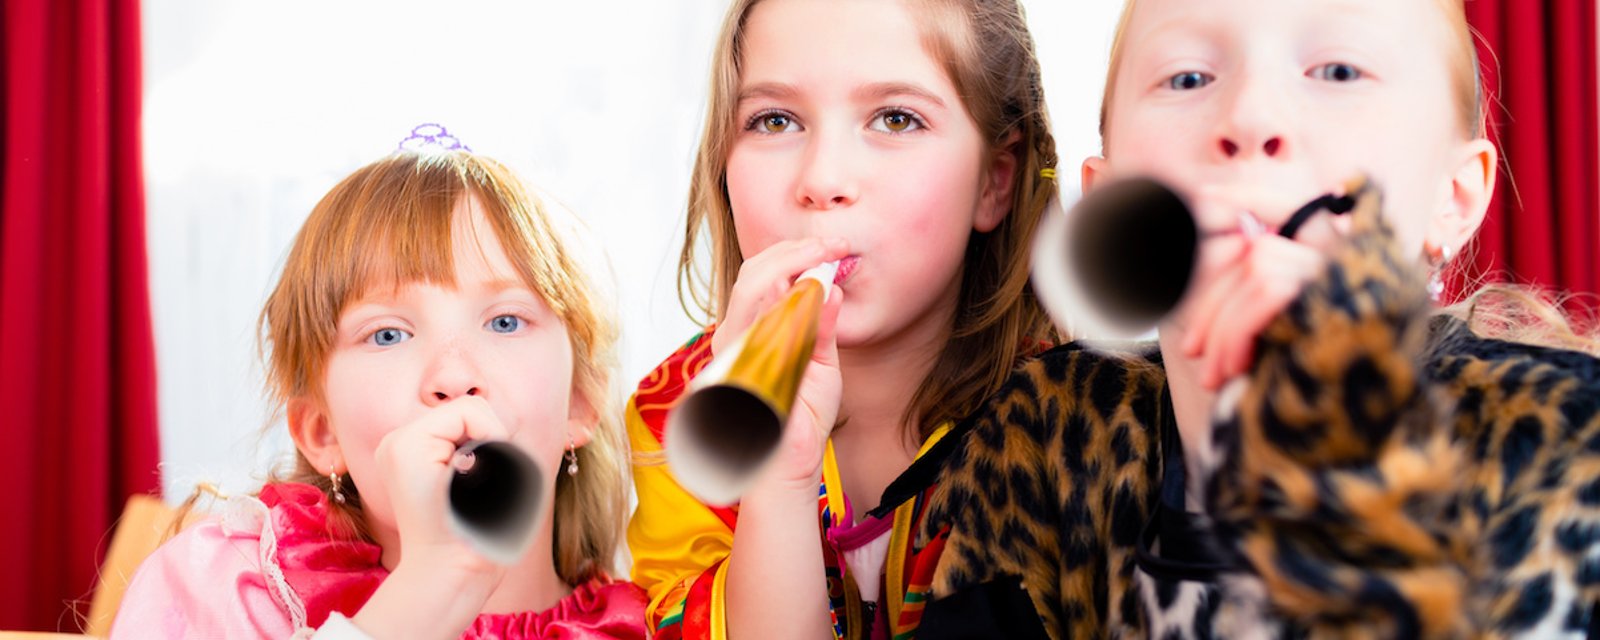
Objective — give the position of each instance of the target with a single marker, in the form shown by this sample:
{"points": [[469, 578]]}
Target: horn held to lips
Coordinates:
{"points": [[1118, 262], [728, 423], [1123, 258], [495, 497]]}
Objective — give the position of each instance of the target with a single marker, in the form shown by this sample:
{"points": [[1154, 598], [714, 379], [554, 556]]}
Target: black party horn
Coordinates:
{"points": [[1123, 258], [495, 499]]}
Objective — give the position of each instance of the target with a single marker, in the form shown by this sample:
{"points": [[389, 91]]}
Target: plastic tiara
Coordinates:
{"points": [[431, 137]]}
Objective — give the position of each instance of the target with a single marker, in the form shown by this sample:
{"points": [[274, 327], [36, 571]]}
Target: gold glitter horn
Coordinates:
{"points": [[730, 420]]}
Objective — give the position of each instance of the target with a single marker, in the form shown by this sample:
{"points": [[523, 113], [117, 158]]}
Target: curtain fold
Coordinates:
{"points": [[1543, 226], [77, 361]]}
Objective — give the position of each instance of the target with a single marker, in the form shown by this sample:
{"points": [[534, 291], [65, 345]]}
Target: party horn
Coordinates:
{"points": [[495, 499], [729, 421], [1118, 262], [1122, 260]]}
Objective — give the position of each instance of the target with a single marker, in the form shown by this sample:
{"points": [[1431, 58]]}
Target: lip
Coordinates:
{"points": [[847, 267]]}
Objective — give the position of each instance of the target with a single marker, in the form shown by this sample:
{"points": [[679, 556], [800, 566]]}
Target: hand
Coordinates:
{"points": [[440, 584], [763, 281], [413, 463], [1247, 279]]}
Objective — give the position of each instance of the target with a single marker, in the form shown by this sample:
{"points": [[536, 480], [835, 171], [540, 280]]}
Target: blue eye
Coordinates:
{"points": [[388, 337], [1189, 80], [1336, 72], [505, 324]]}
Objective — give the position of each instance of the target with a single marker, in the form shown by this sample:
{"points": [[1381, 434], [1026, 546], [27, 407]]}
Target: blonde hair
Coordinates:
{"points": [[389, 223], [988, 54], [1498, 310]]}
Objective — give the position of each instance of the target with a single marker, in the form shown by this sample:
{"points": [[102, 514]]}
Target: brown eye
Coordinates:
{"points": [[775, 123], [896, 121]]}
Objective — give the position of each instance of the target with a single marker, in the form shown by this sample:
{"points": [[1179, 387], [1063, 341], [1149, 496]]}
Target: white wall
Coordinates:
{"points": [[254, 110]]}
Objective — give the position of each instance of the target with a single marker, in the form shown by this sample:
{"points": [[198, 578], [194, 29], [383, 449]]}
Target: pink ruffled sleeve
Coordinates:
{"points": [[206, 582]]}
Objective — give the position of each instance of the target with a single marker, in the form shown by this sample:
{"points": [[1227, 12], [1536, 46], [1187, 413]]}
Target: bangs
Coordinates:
{"points": [[399, 228], [396, 232], [391, 224]]}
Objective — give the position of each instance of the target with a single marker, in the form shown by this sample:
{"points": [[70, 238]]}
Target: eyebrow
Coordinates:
{"points": [[883, 90], [875, 91], [774, 90], [501, 284]]}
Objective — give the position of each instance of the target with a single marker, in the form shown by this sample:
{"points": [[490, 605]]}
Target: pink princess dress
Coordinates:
{"points": [[268, 568]]}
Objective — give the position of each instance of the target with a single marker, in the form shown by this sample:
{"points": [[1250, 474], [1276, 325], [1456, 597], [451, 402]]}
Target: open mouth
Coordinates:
{"points": [[847, 266]]}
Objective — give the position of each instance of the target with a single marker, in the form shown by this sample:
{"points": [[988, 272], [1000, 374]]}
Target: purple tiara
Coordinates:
{"points": [[431, 137]]}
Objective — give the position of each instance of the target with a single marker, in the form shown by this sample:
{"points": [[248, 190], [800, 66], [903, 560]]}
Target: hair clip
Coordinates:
{"points": [[431, 137]]}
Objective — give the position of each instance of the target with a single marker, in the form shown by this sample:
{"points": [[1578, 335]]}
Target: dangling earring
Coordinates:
{"points": [[572, 457], [1438, 257], [338, 493]]}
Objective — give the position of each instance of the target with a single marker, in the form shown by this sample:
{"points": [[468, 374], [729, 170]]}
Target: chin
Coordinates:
{"points": [[852, 331]]}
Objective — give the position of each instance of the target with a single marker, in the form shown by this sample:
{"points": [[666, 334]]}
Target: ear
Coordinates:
{"points": [[1095, 169], [1471, 187], [996, 200], [582, 418], [314, 436]]}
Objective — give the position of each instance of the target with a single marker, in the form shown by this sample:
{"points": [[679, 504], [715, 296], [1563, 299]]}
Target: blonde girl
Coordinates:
{"points": [[1340, 456]]}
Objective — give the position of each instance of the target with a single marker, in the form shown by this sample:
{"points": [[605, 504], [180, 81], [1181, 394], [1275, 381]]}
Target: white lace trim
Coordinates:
{"points": [[248, 514]]}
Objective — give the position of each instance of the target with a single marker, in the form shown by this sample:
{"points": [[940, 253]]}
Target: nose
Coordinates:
{"points": [[452, 373], [1255, 124], [826, 180], [1232, 148]]}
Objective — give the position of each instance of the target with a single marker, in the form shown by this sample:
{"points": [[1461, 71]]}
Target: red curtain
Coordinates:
{"points": [[1544, 224], [77, 361]]}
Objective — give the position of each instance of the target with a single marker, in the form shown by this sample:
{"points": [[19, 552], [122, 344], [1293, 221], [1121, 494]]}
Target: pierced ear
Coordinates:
{"points": [[996, 200], [1095, 169], [582, 418], [313, 435], [1471, 188]]}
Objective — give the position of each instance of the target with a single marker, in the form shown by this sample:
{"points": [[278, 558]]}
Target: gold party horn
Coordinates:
{"points": [[730, 420]]}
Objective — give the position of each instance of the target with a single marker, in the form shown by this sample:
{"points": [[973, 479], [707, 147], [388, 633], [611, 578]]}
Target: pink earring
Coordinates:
{"points": [[572, 457]]}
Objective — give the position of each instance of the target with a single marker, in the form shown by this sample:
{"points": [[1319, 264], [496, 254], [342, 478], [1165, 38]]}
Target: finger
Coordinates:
{"points": [[1276, 272], [478, 420], [827, 350], [776, 267], [1222, 275], [767, 276], [435, 437], [1236, 352], [1230, 349]]}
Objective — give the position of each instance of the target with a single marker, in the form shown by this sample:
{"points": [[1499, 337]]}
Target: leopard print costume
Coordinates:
{"points": [[1383, 472]]}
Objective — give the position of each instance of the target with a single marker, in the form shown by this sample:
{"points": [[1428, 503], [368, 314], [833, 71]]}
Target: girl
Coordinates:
{"points": [[1366, 465], [427, 300], [924, 172]]}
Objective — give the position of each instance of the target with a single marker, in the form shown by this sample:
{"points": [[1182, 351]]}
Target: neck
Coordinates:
{"points": [[532, 584], [529, 585], [881, 378], [1191, 406]]}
